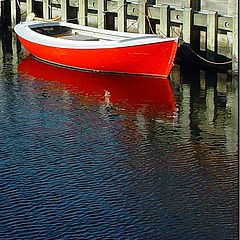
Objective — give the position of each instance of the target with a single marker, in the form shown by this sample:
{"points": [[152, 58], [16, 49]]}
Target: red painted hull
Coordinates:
{"points": [[151, 96], [148, 59]]}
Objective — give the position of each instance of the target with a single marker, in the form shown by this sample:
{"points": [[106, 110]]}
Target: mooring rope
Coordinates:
{"points": [[206, 60], [182, 42], [48, 20], [18, 3], [118, 9]]}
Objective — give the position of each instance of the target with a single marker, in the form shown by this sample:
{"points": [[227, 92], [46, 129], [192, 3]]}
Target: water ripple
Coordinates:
{"points": [[70, 168]]}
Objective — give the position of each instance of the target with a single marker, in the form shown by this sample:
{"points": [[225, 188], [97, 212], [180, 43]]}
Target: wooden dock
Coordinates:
{"points": [[208, 28]]}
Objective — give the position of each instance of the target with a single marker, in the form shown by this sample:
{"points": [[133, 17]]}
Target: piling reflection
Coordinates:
{"points": [[151, 96], [208, 107]]}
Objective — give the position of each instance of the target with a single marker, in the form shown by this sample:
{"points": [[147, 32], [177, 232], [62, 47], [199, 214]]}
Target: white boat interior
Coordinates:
{"points": [[68, 35], [82, 33]]}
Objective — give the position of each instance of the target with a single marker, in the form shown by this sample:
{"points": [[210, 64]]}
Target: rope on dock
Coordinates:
{"points": [[57, 18], [206, 60], [198, 55], [118, 9], [182, 42], [32, 17]]}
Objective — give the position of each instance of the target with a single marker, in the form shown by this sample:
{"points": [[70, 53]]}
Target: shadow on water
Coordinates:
{"points": [[100, 156]]}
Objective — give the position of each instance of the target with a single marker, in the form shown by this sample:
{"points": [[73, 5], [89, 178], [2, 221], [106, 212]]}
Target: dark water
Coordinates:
{"points": [[116, 157]]}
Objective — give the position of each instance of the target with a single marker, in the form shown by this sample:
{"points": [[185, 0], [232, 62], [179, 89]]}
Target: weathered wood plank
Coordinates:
{"points": [[92, 4], [211, 34], [13, 12], [133, 9], [112, 6], [164, 19], [64, 7], [176, 15], [200, 19], [221, 6], [225, 23], [102, 8], [122, 15], [235, 44], [187, 24], [46, 9], [29, 6], [142, 17], [153, 12], [82, 12]]}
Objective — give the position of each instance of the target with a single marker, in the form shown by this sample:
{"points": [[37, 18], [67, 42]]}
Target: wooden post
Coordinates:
{"points": [[46, 9], [235, 44], [191, 35], [187, 24], [6, 12], [164, 20], [122, 15], [64, 8], [29, 4], [7, 43], [102, 7], [1, 12], [15, 13], [211, 34], [142, 17], [82, 12]]}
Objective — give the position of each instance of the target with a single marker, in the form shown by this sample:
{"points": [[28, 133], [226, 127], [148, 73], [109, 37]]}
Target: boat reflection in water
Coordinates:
{"points": [[149, 96]]}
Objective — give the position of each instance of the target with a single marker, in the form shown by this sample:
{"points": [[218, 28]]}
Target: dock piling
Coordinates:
{"points": [[164, 20], [29, 6], [15, 13], [102, 8], [211, 34], [235, 48], [187, 24], [122, 15], [64, 9], [46, 9], [142, 17], [82, 12]]}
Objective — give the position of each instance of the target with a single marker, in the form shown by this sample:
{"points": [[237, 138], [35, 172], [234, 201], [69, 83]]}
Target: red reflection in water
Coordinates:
{"points": [[151, 95]]}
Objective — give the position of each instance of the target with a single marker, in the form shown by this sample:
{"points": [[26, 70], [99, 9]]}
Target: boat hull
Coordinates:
{"points": [[147, 59]]}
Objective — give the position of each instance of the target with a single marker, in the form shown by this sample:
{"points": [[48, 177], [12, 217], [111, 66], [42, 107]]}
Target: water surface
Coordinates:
{"points": [[97, 156]]}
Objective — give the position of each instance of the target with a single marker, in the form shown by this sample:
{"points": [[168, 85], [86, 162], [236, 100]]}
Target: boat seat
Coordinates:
{"points": [[77, 37]]}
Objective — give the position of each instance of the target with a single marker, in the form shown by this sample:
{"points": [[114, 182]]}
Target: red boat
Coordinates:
{"points": [[127, 93], [94, 49]]}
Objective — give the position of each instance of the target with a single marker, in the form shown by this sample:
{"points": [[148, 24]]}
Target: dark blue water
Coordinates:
{"points": [[113, 157]]}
